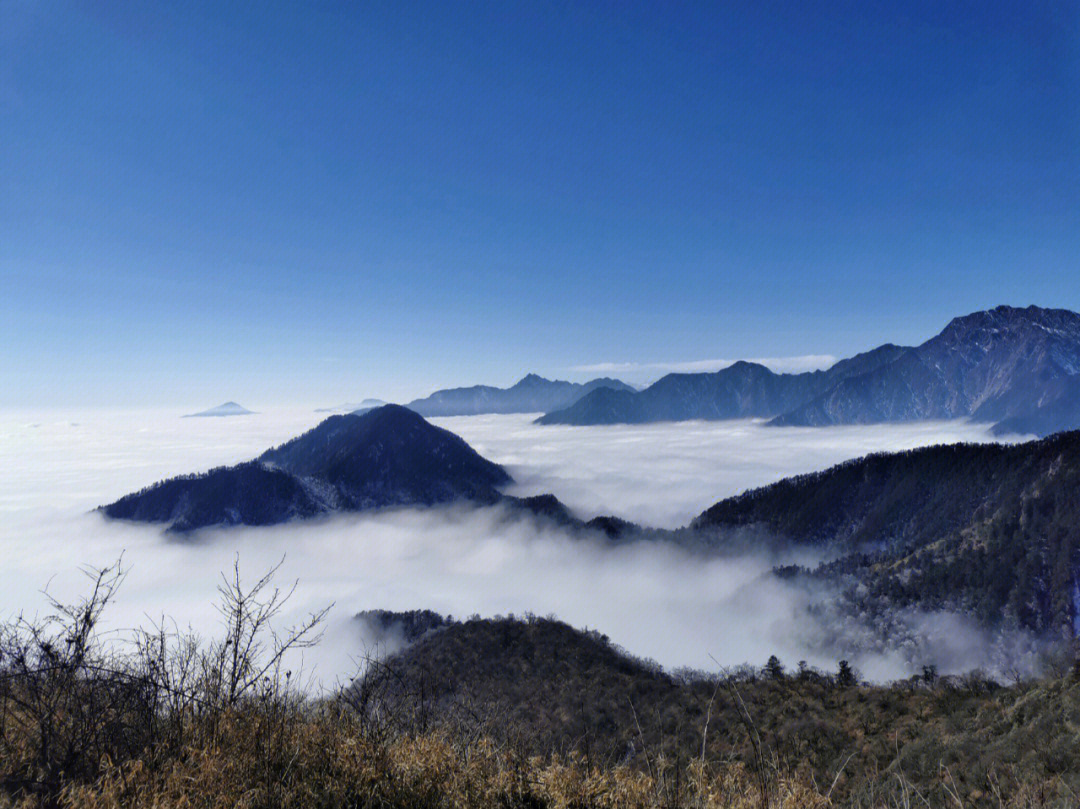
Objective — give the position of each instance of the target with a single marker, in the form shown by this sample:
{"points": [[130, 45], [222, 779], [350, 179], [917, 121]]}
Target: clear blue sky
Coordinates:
{"points": [[321, 201]]}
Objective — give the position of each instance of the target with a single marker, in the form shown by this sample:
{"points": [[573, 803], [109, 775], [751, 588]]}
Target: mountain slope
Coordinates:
{"points": [[536, 674], [247, 494], [1058, 408], [532, 394], [742, 390], [1013, 366], [538, 685], [388, 456], [992, 528]]}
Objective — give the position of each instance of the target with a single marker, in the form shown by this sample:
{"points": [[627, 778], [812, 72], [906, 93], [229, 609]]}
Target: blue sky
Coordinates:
{"points": [[318, 202]]}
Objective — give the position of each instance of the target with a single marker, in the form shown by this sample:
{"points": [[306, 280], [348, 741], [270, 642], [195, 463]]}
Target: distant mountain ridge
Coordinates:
{"points": [[388, 456], [742, 390], [531, 394], [1018, 369]]}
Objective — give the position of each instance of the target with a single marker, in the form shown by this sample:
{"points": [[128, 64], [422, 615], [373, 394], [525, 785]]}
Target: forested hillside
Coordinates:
{"points": [[993, 528]]}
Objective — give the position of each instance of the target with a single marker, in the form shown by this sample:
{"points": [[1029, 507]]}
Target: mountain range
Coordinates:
{"points": [[532, 394], [1018, 369], [742, 390]]}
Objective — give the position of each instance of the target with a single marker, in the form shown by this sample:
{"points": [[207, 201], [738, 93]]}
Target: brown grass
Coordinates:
{"points": [[176, 723]]}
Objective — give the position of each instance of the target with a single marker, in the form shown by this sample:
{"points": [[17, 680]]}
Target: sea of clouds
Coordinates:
{"points": [[654, 599], [664, 474]]}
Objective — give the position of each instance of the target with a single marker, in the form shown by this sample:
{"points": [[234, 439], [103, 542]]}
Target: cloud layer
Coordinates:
{"points": [[664, 474], [656, 600]]}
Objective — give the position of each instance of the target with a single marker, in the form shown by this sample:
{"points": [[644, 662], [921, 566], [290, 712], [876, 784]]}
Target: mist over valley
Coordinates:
{"points": [[656, 598]]}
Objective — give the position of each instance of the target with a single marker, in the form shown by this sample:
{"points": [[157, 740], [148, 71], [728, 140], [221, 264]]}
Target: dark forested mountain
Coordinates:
{"points": [[742, 390], [538, 674], [386, 457], [548, 508], [991, 528], [246, 494], [1016, 368], [533, 394]]}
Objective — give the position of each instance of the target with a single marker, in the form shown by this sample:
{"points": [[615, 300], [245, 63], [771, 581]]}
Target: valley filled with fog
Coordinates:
{"points": [[655, 599]]}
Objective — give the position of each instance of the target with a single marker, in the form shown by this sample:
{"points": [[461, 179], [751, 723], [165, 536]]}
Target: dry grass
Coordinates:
{"points": [[321, 762], [175, 723]]}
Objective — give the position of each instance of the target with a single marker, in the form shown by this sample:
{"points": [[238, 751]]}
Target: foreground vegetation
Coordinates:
{"points": [[509, 713]]}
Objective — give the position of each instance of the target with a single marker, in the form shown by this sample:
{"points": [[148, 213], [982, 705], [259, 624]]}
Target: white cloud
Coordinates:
{"points": [[666, 473], [655, 599]]}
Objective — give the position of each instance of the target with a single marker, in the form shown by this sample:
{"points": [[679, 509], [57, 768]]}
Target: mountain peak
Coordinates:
{"points": [[746, 367], [389, 441], [389, 415], [980, 330], [1013, 316], [532, 379]]}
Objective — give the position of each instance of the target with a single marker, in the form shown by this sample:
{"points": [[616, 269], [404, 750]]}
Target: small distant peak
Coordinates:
{"points": [[226, 409], [365, 406]]}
